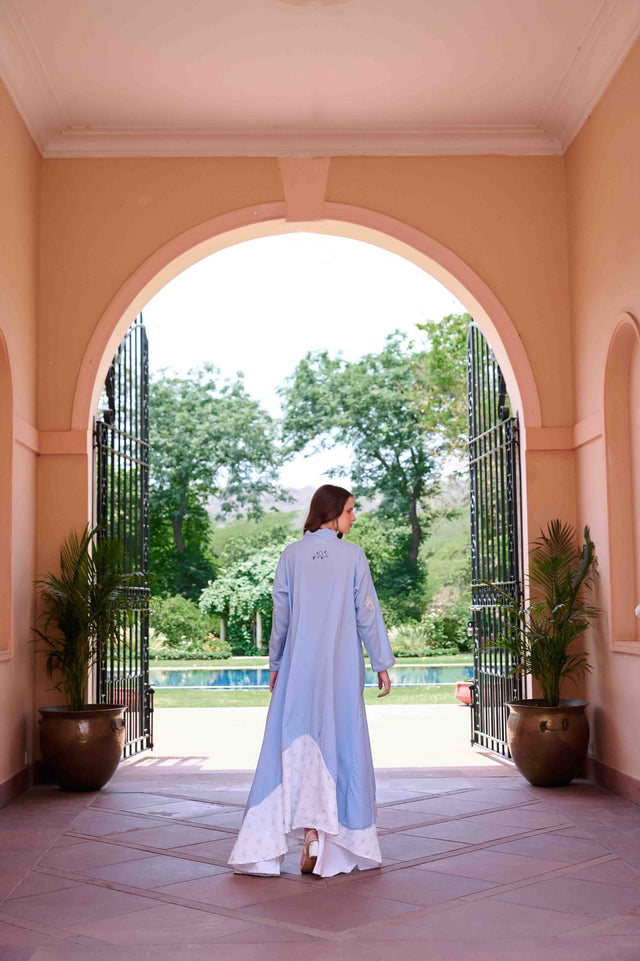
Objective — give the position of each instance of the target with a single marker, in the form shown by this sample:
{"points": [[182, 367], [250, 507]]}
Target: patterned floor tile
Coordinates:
{"points": [[234, 891], [154, 871], [575, 896], [164, 924], [326, 911], [80, 903]]}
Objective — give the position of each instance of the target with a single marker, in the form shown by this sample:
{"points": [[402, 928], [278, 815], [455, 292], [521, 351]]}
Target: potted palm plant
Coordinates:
{"points": [[548, 736], [85, 608]]}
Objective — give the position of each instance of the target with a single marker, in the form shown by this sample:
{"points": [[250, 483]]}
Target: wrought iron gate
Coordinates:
{"points": [[496, 548], [121, 489]]}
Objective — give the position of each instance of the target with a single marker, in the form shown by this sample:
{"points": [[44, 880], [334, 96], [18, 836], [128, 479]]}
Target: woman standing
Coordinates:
{"points": [[315, 780]]}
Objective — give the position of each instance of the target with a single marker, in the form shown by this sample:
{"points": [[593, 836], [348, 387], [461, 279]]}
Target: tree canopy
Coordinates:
{"points": [[208, 438], [242, 589], [401, 412]]}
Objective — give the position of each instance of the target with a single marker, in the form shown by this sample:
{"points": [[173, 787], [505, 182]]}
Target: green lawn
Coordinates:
{"points": [[437, 694]]}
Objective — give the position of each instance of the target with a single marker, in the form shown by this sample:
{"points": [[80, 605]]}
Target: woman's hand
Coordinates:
{"points": [[384, 683], [272, 680]]}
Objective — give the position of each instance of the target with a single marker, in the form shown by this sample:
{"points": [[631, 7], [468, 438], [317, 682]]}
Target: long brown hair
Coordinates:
{"points": [[327, 504]]}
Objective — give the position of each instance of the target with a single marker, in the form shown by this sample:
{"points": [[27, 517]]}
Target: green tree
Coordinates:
{"points": [[443, 382], [182, 573], [243, 589], [399, 411], [208, 438], [399, 585]]}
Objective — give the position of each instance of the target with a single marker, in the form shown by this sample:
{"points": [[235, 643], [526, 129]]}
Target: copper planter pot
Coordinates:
{"points": [[82, 747], [548, 744]]}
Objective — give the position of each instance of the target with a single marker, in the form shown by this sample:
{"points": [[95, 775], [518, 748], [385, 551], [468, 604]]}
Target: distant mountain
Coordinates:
{"points": [[300, 500]]}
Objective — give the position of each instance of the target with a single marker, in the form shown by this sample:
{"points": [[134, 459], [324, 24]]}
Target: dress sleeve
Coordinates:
{"points": [[281, 614], [371, 629]]}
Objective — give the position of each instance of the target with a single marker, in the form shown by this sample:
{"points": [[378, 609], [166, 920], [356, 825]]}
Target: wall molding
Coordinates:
{"points": [[65, 442], [548, 438], [77, 441], [565, 438], [26, 434], [16, 785], [588, 429], [625, 647], [50, 442], [617, 781], [429, 141]]}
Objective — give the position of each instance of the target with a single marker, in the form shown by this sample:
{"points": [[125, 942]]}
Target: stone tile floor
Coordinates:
{"points": [[478, 866]]}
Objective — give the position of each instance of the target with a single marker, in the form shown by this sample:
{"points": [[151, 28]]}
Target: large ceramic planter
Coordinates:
{"points": [[548, 744], [83, 747]]}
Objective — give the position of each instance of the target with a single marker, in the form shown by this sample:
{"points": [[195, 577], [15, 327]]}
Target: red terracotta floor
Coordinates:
{"points": [[478, 866]]}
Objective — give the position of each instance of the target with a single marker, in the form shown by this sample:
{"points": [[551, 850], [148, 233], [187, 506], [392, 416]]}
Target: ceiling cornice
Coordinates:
{"points": [[598, 56], [433, 141], [614, 30], [25, 78]]}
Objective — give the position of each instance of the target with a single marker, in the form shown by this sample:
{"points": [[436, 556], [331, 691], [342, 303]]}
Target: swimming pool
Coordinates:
{"points": [[257, 678]]}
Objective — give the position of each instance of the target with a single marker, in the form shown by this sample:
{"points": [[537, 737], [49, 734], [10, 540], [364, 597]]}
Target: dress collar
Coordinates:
{"points": [[323, 532]]}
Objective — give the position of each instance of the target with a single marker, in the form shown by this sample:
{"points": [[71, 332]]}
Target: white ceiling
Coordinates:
{"points": [[309, 77]]}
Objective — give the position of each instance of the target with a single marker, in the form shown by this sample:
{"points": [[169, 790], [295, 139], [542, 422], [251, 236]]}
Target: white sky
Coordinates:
{"points": [[259, 306]]}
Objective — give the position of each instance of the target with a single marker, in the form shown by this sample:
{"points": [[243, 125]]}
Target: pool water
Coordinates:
{"points": [[257, 678]]}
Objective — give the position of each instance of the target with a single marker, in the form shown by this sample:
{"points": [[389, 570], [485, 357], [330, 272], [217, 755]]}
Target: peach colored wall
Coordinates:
{"points": [[100, 220], [505, 217], [103, 219], [19, 202], [604, 254], [6, 494]]}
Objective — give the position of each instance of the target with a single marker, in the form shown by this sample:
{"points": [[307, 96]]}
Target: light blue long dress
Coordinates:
{"points": [[315, 767]]}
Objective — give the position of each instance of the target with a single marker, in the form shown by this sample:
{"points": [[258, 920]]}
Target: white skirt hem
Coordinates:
{"points": [[332, 859], [305, 798]]}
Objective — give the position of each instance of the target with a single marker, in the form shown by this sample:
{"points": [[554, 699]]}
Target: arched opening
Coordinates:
{"points": [[622, 436], [6, 459], [473, 294], [342, 220]]}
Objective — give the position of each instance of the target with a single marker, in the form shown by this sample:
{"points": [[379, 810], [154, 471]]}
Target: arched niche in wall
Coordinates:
{"points": [[622, 437], [6, 470]]}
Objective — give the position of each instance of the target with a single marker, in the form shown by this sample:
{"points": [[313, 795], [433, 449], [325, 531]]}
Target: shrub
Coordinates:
{"points": [[446, 629], [438, 633], [179, 621], [408, 640], [211, 649]]}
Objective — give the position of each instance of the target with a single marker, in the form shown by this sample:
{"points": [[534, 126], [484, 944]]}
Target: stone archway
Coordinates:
{"points": [[340, 219]]}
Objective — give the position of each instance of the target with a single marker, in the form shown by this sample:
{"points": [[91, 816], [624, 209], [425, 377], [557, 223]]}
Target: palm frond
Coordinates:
{"points": [[539, 635], [85, 606]]}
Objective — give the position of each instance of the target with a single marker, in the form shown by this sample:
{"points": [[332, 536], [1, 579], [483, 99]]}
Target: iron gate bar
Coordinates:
{"points": [[495, 514], [121, 440]]}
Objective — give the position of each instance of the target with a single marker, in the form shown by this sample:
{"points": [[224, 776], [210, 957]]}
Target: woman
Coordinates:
{"points": [[314, 780]]}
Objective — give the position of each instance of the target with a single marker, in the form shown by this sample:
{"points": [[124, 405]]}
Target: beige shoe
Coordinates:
{"points": [[309, 856]]}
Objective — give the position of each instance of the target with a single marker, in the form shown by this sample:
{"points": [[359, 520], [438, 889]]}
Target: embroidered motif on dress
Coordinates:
{"points": [[368, 602]]}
